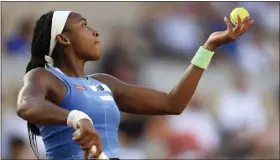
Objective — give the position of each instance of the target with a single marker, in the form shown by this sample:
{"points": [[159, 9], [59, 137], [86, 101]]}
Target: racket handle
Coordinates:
{"points": [[93, 148]]}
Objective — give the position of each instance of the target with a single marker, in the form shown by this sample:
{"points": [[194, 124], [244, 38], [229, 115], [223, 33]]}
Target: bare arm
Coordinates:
{"points": [[140, 100], [32, 105]]}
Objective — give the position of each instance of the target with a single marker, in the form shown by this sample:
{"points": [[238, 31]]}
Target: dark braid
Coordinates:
{"points": [[41, 43], [40, 48]]}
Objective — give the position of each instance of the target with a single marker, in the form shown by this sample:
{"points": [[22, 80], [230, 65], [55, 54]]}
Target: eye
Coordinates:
{"points": [[84, 25]]}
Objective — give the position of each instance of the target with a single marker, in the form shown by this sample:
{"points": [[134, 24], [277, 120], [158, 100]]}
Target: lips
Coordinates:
{"points": [[97, 42]]}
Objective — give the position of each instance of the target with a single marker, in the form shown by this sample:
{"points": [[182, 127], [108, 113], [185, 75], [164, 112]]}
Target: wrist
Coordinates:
{"points": [[202, 58], [210, 46], [83, 121], [75, 116]]}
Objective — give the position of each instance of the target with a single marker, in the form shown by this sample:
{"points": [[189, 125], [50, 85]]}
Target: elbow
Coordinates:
{"points": [[175, 110], [176, 106], [23, 110]]}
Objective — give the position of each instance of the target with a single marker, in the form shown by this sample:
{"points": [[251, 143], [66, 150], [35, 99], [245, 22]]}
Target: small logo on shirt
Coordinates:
{"points": [[80, 87], [99, 88]]}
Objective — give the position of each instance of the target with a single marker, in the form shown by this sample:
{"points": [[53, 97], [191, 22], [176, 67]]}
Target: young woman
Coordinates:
{"points": [[57, 96]]}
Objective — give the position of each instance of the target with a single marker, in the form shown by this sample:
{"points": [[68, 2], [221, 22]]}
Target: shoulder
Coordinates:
{"points": [[112, 82], [103, 77], [106, 78], [39, 76]]}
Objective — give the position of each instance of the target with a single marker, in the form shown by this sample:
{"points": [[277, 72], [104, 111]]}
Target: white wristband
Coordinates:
{"points": [[74, 117]]}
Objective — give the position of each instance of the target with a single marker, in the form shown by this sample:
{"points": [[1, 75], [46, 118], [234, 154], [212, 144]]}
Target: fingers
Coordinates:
{"points": [[229, 25], [98, 151], [246, 20], [94, 151], [86, 137], [241, 27], [88, 141], [238, 26], [77, 138], [81, 137], [86, 154], [219, 38], [87, 144], [246, 26]]}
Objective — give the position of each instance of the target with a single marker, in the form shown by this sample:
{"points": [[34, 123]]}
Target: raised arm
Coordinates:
{"points": [[140, 100]]}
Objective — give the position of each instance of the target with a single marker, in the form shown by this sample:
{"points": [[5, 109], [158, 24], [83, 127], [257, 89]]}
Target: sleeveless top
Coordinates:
{"points": [[93, 98]]}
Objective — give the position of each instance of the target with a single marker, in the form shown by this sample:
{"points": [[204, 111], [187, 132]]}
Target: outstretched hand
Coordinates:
{"points": [[219, 38]]}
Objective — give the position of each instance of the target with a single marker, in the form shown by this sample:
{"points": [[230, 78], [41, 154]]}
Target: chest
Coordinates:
{"points": [[93, 98]]}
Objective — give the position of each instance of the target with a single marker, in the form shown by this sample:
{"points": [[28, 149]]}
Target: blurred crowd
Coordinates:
{"points": [[235, 111]]}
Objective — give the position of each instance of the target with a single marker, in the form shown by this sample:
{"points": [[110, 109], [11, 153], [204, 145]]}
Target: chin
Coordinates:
{"points": [[97, 58], [98, 55]]}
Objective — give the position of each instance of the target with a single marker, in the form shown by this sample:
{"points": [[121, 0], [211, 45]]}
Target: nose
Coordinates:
{"points": [[95, 33]]}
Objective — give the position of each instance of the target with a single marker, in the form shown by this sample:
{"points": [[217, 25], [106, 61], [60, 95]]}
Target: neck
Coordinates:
{"points": [[72, 67]]}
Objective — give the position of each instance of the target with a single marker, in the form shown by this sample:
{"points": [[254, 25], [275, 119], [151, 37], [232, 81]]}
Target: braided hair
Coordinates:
{"points": [[39, 48]]}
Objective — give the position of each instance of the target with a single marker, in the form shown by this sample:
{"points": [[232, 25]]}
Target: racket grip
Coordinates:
{"points": [[93, 148]]}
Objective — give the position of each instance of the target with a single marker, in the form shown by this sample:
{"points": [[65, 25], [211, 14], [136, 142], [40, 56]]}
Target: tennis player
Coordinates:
{"points": [[58, 98]]}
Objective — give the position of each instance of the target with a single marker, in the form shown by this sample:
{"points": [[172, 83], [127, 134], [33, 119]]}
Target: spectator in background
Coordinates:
{"points": [[18, 44], [242, 116], [130, 145], [194, 131], [178, 31], [155, 138], [116, 60], [241, 109], [14, 130], [19, 149], [172, 29], [269, 22], [255, 50]]}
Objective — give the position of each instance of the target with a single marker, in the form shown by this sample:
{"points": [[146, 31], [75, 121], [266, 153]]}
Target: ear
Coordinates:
{"points": [[63, 39]]}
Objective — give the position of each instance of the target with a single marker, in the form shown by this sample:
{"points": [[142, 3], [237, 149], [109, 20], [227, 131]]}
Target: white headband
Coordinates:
{"points": [[58, 22]]}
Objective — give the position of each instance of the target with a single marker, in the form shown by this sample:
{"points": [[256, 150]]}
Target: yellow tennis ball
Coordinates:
{"points": [[242, 12]]}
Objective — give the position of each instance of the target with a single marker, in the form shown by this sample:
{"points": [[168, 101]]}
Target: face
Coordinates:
{"points": [[83, 39]]}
